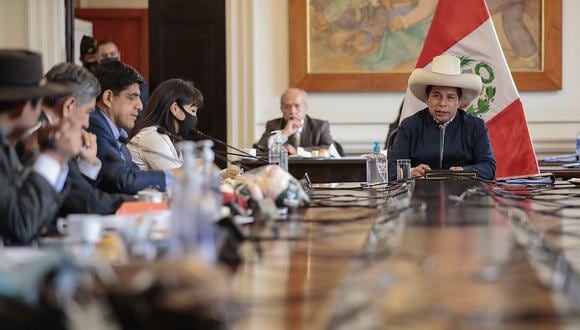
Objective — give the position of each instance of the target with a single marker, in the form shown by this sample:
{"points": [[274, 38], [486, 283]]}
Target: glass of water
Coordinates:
{"points": [[403, 169]]}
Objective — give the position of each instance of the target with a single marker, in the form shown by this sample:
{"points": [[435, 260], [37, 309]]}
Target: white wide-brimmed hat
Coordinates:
{"points": [[445, 71]]}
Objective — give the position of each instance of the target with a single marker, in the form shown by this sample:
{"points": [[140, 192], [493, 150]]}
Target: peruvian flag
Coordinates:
{"points": [[464, 29]]}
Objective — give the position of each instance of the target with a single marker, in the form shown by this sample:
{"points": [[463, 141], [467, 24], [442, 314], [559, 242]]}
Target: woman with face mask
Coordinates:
{"points": [[171, 115]]}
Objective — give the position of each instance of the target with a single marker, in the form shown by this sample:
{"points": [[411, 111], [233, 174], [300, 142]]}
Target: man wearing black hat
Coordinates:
{"points": [[30, 196], [88, 53]]}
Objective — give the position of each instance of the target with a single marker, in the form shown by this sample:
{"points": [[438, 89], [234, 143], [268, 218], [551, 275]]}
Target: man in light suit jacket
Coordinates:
{"points": [[118, 106], [298, 129]]}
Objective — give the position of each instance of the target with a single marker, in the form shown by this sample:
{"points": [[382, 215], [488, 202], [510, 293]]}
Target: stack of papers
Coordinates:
{"points": [[561, 159], [540, 179]]}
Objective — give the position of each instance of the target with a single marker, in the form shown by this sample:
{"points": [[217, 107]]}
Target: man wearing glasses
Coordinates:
{"points": [[298, 129]]}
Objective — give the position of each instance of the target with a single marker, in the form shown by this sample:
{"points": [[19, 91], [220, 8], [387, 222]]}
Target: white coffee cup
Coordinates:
{"points": [[84, 228], [149, 195]]}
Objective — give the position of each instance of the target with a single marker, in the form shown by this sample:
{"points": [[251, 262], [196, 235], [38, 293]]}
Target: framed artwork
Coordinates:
{"points": [[365, 46]]}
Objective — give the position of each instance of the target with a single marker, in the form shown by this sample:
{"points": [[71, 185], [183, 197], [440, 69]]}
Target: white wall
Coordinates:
{"points": [[37, 25], [12, 30], [359, 118]]}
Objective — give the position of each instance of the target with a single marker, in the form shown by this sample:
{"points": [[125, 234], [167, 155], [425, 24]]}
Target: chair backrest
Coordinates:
{"points": [[391, 139], [392, 132]]}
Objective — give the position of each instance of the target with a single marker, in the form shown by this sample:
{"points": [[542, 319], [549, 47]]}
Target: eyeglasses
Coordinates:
{"points": [[290, 106]]}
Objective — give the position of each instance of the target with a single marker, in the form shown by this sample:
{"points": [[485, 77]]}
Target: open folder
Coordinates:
{"points": [[444, 174], [540, 179]]}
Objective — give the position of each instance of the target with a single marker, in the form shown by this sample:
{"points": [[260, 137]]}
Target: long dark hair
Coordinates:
{"points": [[158, 111]]}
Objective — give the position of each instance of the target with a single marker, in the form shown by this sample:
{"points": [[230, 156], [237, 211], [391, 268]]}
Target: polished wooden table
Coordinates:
{"points": [[353, 169], [446, 257], [322, 170]]}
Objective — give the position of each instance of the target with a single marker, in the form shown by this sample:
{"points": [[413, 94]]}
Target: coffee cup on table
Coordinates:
{"points": [[85, 228], [150, 195]]}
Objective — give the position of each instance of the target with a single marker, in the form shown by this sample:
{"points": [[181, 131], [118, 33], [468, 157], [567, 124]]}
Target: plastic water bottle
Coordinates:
{"points": [[185, 196], [578, 146], [377, 170], [277, 153], [195, 205], [210, 203]]}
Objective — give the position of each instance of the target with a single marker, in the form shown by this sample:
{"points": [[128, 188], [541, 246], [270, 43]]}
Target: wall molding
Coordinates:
{"points": [[45, 22], [240, 71]]}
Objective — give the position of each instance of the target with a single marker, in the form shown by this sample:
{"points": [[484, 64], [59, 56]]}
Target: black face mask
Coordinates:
{"points": [[91, 66], [186, 125]]}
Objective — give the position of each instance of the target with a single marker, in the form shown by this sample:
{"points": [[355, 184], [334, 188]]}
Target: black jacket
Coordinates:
{"points": [[85, 198], [28, 202]]}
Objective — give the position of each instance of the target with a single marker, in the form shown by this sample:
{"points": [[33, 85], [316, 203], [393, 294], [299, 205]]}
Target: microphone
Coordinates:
{"points": [[176, 137], [164, 156], [222, 143]]}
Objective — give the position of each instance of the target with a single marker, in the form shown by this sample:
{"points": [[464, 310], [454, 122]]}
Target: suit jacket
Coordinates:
{"points": [[315, 133], [152, 150], [29, 202], [119, 173], [86, 198]]}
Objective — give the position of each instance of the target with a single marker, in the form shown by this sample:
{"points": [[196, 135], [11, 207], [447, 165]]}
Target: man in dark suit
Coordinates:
{"points": [[84, 170], [118, 106], [30, 196], [108, 50], [298, 129]]}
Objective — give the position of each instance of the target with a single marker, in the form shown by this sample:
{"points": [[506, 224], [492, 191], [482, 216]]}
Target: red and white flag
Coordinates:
{"points": [[465, 29]]}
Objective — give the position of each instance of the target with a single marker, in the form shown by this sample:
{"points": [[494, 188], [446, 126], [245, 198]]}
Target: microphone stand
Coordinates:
{"points": [[222, 143]]}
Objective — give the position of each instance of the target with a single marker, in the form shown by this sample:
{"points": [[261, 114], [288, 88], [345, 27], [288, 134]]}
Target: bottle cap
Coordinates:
{"points": [[377, 147]]}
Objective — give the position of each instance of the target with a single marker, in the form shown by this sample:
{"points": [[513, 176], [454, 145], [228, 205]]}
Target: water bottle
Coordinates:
{"points": [[211, 202], [184, 201], [377, 166], [194, 210], [578, 146], [277, 154]]}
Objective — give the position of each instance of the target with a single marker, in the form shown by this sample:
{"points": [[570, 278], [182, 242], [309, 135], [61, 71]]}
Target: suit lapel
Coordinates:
{"points": [[306, 136]]}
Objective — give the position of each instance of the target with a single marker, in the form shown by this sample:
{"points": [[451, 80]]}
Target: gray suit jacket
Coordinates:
{"points": [[315, 133]]}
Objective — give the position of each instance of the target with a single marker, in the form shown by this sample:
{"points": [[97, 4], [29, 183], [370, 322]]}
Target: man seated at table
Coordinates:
{"points": [[443, 136], [84, 170], [298, 129], [118, 106], [30, 195]]}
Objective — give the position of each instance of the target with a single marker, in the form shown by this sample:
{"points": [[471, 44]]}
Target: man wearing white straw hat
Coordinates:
{"points": [[443, 136]]}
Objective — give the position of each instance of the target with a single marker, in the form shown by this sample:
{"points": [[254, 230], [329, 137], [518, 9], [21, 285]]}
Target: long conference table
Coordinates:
{"points": [[353, 169], [429, 254]]}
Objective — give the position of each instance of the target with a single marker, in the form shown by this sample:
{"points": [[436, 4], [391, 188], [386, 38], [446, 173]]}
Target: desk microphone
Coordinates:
{"points": [[222, 143], [164, 156], [176, 137]]}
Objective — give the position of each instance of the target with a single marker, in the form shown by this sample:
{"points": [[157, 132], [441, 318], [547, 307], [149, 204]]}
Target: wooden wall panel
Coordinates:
{"points": [[188, 40], [128, 28]]}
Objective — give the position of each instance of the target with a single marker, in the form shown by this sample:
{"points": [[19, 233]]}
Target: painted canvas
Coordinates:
{"points": [[386, 36]]}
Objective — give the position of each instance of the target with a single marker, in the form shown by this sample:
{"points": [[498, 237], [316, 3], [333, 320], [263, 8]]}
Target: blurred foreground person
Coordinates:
{"points": [[30, 196]]}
